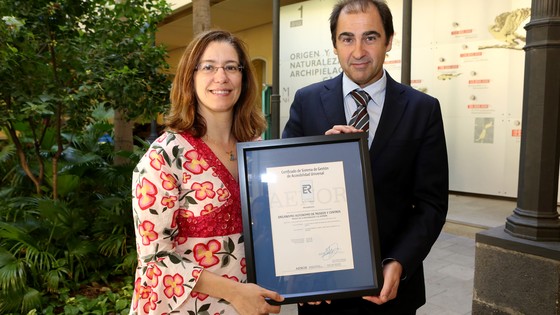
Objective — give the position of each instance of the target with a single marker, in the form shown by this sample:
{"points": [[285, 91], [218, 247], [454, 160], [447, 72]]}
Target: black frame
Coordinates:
{"points": [[352, 150]]}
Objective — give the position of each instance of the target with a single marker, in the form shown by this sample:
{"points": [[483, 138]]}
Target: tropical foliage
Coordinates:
{"points": [[65, 215]]}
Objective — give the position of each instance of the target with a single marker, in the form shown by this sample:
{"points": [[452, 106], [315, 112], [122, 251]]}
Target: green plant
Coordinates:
{"points": [[49, 244], [92, 299], [59, 60], [65, 215]]}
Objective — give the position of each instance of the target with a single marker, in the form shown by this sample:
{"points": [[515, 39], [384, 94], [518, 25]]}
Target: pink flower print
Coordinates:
{"points": [[203, 190], [168, 181], [152, 302], [140, 292], [195, 163], [223, 194], [181, 213], [234, 278], [153, 272], [173, 285], [186, 177], [156, 160], [180, 240], [243, 264], [146, 194], [198, 295], [168, 201], [204, 254], [207, 209], [147, 232], [146, 292], [196, 273]]}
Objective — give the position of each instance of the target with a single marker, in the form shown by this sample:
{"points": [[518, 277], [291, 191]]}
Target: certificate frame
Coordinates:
{"points": [[272, 227]]}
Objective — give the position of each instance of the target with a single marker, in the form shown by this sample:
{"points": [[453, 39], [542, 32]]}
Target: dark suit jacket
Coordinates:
{"points": [[410, 177]]}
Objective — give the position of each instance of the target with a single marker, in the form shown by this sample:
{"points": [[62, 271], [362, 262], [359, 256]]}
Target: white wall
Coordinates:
{"points": [[460, 55]]}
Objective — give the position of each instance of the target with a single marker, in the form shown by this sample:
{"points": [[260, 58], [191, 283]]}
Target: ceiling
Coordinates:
{"points": [[175, 32]]}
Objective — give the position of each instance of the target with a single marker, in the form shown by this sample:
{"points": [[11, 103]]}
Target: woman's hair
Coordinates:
{"points": [[248, 120]]}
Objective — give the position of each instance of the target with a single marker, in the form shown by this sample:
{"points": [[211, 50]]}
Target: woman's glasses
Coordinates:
{"points": [[208, 68]]}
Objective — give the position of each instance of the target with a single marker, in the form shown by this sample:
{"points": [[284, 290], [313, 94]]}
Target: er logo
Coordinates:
{"points": [[307, 191]]}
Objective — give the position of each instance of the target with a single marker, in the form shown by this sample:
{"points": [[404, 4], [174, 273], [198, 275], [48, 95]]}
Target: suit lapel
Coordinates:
{"points": [[331, 98], [393, 109]]}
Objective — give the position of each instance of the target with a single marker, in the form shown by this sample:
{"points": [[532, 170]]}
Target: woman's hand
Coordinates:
{"points": [[249, 299], [246, 298]]}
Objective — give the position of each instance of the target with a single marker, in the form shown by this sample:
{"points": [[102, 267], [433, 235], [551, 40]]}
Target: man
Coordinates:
{"points": [[407, 151]]}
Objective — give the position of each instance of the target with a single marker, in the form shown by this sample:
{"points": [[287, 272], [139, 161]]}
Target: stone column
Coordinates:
{"points": [[517, 266], [536, 217]]}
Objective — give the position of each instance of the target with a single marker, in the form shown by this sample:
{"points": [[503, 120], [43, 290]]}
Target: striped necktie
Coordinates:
{"points": [[360, 118]]}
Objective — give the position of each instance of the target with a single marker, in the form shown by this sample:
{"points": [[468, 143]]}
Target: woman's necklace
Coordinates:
{"points": [[232, 156], [230, 153]]}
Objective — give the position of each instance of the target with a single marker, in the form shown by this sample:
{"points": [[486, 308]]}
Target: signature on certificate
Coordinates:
{"points": [[329, 252]]}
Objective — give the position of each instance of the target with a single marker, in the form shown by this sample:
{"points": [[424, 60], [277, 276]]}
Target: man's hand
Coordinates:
{"points": [[392, 273], [338, 129]]}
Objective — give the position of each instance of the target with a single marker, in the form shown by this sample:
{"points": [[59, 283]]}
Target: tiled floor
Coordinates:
{"points": [[449, 268], [449, 272]]}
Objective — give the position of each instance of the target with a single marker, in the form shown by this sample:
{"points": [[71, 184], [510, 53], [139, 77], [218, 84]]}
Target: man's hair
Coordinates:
{"points": [[355, 6]]}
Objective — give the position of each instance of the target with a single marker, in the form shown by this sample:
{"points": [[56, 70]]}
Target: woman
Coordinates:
{"points": [[186, 202]]}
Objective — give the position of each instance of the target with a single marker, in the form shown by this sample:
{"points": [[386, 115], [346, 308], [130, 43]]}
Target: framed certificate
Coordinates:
{"points": [[309, 221]]}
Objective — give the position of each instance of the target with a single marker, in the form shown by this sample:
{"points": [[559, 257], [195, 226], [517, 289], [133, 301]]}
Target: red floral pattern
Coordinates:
{"points": [[173, 285], [156, 160], [243, 266], [203, 190], [146, 230], [168, 182], [204, 253], [152, 273], [187, 212], [195, 163], [146, 194]]}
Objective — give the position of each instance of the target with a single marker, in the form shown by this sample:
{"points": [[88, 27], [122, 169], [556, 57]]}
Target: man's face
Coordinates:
{"points": [[360, 45]]}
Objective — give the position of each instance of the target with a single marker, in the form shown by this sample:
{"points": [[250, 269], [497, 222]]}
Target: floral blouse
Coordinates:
{"points": [[187, 215]]}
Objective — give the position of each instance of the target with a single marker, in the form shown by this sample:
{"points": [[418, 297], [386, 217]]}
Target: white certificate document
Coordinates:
{"points": [[309, 218]]}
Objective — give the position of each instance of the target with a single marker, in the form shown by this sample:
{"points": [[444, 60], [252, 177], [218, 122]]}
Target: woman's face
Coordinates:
{"points": [[218, 78]]}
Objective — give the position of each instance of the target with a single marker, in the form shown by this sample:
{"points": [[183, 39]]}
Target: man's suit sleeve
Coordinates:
{"points": [[430, 195]]}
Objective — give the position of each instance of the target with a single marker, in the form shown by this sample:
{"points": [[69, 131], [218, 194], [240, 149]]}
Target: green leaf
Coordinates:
{"points": [[230, 245], [6, 257], [67, 184], [225, 260], [176, 151], [13, 275], [175, 259], [191, 200], [204, 308]]}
